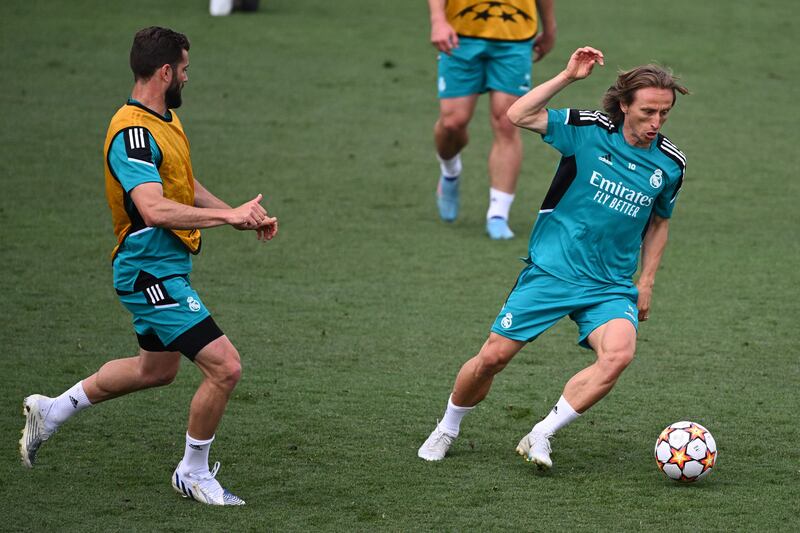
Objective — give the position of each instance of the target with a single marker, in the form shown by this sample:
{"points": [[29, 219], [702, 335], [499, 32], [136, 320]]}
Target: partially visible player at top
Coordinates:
{"points": [[485, 47], [610, 202], [157, 210]]}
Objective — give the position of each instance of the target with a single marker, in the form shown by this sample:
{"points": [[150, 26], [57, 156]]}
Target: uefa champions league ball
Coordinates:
{"points": [[686, 451]]}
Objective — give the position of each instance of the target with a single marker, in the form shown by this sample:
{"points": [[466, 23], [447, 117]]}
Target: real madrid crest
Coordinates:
{"points": [[656, 179]]}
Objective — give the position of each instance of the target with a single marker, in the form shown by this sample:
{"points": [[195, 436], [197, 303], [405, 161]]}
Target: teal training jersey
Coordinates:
{"points": [[591, 224], [155, 251]]}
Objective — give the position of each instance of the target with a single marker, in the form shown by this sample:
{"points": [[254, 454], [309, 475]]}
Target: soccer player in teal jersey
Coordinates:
{"points": [[158, 209], [485, 47], [165, 255], [610, 202]]}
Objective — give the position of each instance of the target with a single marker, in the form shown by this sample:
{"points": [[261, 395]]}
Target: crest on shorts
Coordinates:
{"points": [[194, 305], [507, 320]]}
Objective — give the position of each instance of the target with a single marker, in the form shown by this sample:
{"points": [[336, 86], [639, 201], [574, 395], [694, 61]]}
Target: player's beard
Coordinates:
{"points": [[173, 95]]}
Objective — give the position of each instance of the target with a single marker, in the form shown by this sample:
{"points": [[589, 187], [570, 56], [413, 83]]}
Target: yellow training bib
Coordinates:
{"points": [[506, 20], [177, 178]]}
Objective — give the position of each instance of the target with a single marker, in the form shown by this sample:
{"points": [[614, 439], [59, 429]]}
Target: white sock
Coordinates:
{"points": [[451, 168], [69, 403], [195, 455], [220, 8], [499, 204], [561, 415], [451, 421]]}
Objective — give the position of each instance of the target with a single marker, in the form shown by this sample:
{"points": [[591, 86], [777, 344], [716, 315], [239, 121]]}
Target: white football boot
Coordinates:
{"points": [[34, 433], [436, 445], [535, 448], [203, 487]]}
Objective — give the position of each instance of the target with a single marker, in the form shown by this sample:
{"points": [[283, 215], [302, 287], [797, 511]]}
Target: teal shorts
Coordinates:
{"points": [[539, 300], [166, 311], [481, 65]]}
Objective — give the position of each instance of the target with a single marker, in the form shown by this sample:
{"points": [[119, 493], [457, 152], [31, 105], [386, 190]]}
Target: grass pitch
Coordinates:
{"points": [[354, 321]]}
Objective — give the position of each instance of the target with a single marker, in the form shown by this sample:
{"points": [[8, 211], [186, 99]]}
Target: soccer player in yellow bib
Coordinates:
{"points": [[157, 210], [485, 47]]}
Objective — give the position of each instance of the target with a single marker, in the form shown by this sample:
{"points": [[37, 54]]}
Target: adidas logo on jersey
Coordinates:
{"points": [[606, 159]]}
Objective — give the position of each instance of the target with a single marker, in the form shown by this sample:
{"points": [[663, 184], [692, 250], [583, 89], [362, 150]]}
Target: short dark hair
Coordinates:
{"points": [[630, 81], [155, 47]]}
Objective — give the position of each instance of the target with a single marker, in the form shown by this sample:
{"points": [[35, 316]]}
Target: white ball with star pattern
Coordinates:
{"points": [[686, 451]]}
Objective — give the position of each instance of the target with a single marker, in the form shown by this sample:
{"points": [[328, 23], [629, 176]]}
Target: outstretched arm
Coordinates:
{"points": [[529, 111], [204, 198], [265, 231], [158, 211], [653, 244]]}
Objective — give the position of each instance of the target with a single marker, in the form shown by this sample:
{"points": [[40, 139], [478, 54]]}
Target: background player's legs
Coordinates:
{"points": [[450, 137], [505, 157], [450, 131], [505, 160]]}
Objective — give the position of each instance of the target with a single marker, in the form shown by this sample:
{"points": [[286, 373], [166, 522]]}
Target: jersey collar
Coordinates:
{"points": [[136, 103]]}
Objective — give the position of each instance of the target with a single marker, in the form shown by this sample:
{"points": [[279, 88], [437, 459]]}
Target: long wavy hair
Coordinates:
{"points": [[630, 81]]}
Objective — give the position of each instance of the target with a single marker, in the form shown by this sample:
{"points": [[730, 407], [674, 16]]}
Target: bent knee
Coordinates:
{"points": [[235, 373], [220, 363], [454, 122], [491, 365], [614, 362], [229, 372], [492, 359], [159, 378], [503, 126]]}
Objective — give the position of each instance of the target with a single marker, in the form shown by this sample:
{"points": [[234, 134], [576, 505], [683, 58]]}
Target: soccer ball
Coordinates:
{"points": [[686, 451]]}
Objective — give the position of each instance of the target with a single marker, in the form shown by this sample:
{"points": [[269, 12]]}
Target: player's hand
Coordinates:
{"points": [[643, 303], [582, 62], [268, 229], [443, 37], [543, 44], [249, 215]]}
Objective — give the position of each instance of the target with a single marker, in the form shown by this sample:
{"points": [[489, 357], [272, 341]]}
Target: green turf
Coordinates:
{"points": [[354, 321]]}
